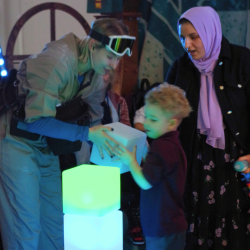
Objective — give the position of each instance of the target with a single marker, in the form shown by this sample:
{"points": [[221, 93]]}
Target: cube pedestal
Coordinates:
{"points": [[91, 198], [93, 233]]}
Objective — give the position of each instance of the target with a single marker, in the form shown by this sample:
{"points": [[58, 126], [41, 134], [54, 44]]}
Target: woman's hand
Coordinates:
{"points": [[125, 155], [245, 158], [98, 136]]}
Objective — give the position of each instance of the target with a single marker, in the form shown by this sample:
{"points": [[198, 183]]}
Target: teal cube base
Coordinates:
{"points": [[93, 233]]}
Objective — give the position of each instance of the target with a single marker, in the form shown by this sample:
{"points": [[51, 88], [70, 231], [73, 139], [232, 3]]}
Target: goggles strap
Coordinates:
{"points": [[99, 37]]}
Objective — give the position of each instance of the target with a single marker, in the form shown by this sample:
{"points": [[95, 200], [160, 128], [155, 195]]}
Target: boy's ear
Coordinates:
{"points": [[173, 123]]}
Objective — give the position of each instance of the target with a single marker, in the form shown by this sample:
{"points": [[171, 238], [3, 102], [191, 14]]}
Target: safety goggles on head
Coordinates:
{"points": [[119, 45]]}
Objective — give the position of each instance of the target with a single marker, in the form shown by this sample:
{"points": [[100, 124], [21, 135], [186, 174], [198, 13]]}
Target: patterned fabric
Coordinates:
{"points": [[124, 117], [217, 207], [159, 43], [117, 109]]}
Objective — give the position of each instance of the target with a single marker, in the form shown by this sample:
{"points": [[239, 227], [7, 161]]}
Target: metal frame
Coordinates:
{"points": [[9, 57]]}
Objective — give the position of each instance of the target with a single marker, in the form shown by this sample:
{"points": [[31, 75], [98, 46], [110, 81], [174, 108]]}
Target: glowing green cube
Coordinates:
{"points": [[91, 190]]}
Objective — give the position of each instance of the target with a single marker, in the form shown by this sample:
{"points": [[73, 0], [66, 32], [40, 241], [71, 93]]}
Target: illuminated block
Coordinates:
{"points": [[91, 190], [98, 5], [95, 233], [128, 137]]}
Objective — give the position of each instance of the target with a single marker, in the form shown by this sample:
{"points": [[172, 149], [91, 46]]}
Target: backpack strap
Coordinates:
{"points": [[8, 92]]}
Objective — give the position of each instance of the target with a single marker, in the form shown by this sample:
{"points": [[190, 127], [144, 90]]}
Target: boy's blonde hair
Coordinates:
{"points": [[105, 26], [170, 99]]}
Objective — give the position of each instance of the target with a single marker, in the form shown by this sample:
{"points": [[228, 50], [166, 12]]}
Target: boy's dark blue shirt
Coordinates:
{"points": [[161, 207]]}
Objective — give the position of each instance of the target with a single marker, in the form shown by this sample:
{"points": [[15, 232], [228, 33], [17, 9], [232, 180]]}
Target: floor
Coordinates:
{"points": [[127, 244]]}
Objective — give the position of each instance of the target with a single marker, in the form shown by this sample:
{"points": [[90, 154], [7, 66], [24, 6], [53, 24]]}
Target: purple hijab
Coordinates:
{"points": [[207, 24]]}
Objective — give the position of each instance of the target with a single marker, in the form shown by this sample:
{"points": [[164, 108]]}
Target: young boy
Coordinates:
{"points": [[162, 176]]}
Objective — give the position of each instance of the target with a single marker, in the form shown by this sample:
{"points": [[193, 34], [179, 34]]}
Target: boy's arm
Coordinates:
{"points": [[129, 158], [138, 176]]}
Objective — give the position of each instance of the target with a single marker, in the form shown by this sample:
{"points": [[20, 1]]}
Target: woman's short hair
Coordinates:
{"points": [[171, 99], [105, 26]]}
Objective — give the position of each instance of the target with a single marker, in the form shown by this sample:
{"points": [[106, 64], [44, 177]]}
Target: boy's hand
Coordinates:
{"points": [[125, 155], [129, 158]]}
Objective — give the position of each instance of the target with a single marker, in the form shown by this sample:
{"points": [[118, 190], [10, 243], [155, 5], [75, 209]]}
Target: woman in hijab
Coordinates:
{"points": [[216, 78]]}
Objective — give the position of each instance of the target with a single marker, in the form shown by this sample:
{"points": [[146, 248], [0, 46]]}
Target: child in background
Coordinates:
{"points": [[162, 175]]}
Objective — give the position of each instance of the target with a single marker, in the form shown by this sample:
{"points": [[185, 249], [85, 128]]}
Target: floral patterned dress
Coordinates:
{"points": [[216, 199]]}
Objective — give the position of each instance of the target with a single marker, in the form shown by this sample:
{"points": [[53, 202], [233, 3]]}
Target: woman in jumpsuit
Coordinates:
{"points": [[31, 214], [216, 78]]}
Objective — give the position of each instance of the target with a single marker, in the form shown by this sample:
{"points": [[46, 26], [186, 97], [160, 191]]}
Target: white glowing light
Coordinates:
{"points": [[4, 73], [93, 233]]}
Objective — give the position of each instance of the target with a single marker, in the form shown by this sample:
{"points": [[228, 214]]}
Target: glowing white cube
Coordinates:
{"points": [[91, 190], [95, 233], [128, 137]]}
